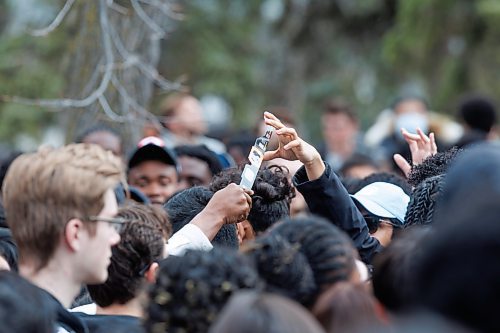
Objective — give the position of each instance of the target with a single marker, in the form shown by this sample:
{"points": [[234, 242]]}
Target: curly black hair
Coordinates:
{"points": [[385, 177], [142, 243], [328, 250], [190, 291], [285, 269], [273, 194], [434, 165], [423, 201], [183, 206]]}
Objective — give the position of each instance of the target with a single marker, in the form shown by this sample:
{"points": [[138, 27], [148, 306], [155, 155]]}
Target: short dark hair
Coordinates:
{"points": [[478, 112], [433, 165], [190, 291], [394, 269], [339, 106], [202, 153], [356, 160], [285, 269], [23, 307], [346, 307], [329, 251], [183, 206], [272, 196], [252, 311], [142, 243]]}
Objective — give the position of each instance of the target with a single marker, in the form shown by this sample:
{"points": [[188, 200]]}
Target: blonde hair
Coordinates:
{"points": [[44, 190]]}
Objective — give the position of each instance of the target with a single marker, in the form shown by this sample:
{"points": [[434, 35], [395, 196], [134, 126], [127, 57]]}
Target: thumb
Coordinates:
{"points": [[269, 155], [403, 164]]}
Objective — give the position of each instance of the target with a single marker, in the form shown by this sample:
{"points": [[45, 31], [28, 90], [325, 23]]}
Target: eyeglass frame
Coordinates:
{"points": [[118, 223]]}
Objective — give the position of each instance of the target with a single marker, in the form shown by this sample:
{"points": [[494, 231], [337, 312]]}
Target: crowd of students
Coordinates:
{"points": [[335, 239]]}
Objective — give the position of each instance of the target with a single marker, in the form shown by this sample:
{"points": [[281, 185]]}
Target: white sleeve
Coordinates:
{"points": [[190, 237]]}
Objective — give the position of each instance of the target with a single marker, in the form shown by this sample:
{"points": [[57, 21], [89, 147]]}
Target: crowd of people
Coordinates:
{"points": [[392, 231]]}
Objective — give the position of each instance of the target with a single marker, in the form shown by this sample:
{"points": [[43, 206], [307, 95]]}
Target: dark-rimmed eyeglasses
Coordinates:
{"points": [[116, 222]]}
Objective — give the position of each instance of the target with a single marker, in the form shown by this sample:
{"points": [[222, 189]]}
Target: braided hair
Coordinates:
{"points": [[433, 165], [285, 269], [190, 291], [423, 201], [328, 250]]}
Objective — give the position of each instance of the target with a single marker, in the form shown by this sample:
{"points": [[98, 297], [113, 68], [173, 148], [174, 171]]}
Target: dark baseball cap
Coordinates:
{"points": [[153, 148]]}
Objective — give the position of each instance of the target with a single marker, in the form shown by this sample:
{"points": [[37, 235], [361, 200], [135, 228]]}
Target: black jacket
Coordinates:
{"points": [[111, 323], [65, 319], [327, 197]]}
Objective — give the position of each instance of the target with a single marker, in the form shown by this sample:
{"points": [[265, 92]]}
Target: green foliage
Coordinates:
{"points": [[29, 67], [217, 50], [364, 50]]}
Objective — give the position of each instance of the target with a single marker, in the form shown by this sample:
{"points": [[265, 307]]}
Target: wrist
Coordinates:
{"points": [[209, 221], [315, 167]]}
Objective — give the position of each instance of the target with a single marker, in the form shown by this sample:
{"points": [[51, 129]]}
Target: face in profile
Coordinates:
{"points": [[96, 251], [157, 180]]}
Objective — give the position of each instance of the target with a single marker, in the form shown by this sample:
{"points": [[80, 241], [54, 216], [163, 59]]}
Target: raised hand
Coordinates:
{"points": [[421, 146], [292, 147], [232, 204]]}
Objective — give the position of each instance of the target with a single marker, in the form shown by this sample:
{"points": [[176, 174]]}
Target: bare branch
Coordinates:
{"points": [[116, 7], [165, 9], [57, 21], [109, 111], [159, 32], [135, 59], [81, 103]]}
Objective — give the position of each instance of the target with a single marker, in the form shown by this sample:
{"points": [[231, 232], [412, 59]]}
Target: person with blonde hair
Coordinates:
{"points": [[61, 209]]}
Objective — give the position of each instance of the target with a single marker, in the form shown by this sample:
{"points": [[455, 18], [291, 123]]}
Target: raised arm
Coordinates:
{"points": [[324, 193]]}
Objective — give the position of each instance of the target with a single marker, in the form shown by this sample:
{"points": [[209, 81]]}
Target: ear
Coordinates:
{"points": [[73, 234], [150, 274]]}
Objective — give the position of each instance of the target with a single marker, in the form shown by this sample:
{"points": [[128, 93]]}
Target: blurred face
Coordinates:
{"points": [[157, 180], [194, 172], [106, 140], [360, 171], [189, 115], [410, 106], [96, 254], [339, 130]]}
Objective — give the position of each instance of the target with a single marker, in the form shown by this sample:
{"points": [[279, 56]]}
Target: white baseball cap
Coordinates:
{"points": [[384, 200]]}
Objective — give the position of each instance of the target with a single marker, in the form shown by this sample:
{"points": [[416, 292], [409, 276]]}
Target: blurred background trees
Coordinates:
{"points": [[254, 54]]}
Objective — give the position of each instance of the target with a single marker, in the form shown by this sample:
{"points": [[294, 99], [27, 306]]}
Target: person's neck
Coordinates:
{"points": [[131, 308], [54, 278]]}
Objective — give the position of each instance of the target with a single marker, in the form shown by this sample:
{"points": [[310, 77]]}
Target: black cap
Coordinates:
{"points": [[152, 148]]}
